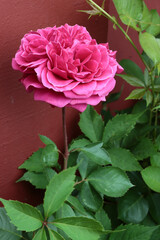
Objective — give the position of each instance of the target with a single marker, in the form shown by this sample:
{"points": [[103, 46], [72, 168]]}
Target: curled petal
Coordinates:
{"points": [[30, 82], [51, 97]]}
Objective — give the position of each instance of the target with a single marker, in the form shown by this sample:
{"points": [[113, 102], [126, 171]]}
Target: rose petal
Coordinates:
{"points": [[57, 81], [79, 107], [93, 100], [105, 75], [85, 88], [51, 97], [72, 95], [30, 82], [108, 88]]}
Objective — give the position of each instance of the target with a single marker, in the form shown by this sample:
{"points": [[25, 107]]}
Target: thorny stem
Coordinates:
{"points": [[66, 152], [105, 14]]}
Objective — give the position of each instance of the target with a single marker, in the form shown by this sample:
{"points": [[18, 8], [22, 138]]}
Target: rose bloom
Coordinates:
{"points": [[65, 67]]}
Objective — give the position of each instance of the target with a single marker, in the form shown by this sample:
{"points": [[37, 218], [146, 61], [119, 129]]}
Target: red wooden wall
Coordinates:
{"points": [[21, 118]]}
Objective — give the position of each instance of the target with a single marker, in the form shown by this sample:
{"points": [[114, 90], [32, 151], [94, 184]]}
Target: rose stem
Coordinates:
{"points": [[66, 153]]}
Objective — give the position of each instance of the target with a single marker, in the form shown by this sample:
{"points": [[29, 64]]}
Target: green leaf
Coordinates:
{"points": [[7, 229], [36, 179], [90, 198], [80, 228], [54, 235], [151, 176], [133, 232], [91, 124], [136, 94], [103, 218], [155, 234], [155, 160], [140, 107], [144, 149], [132, 69], [132, 207], [133, 81], [46, 157], [147, 60], [85, 165], [40, 235], [46, 140], [130, 12], [136, 179], [147, 77], [79, 143], [154, 27], [110, 181], [151, 46], [33, 163], [120, 126], [123, 159], [76, 205], [23, 216], [149, 97], [50, 156], [58, 190], [96, 153], [65, 211], [148, 221], [154, 206], [146, 18]]}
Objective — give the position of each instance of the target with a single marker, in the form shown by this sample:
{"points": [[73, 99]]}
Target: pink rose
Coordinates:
{"points": [[66, 67]]}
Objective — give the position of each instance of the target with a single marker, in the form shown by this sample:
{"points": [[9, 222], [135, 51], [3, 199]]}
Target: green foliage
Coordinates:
{"points": [[151, 46], [151, 176], [54, 235], [79, 143], [39, 180], [132, 69], [79, 228], [130, 12], [91, 124], [133, 207], [118, 127], [96, 153], [136, 94], [7, 230], [63, 183], [90, 198], [144, 149], [103, 218], [40, 235], [132, 80], [110, 181], [65, 211], [76, 205], [85, 165], [22, 215], [124, 159], [43, 158], [133, 232]]}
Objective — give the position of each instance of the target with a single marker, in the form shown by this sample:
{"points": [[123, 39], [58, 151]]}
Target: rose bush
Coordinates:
{"points": [[66, 67]]}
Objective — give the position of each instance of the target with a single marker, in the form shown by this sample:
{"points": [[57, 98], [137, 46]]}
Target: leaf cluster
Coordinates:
{"points": [[106, 192]]}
